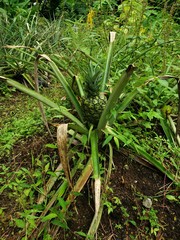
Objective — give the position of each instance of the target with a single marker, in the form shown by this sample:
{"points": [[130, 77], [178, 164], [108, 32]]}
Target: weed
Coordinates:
{"points": [[151, 217]]}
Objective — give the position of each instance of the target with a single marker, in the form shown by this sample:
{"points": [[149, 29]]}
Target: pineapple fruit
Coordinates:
{"points": [[94, 102]]}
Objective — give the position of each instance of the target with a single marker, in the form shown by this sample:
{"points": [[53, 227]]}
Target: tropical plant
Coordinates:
{"points": [[82, 124], [22, 32], [93, 118], [93, 123]]}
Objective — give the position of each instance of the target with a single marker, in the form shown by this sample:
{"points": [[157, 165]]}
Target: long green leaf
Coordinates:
{"points": [[125, 103], [108, 62], [56, 58], [65, 85], [142, 82], [117, 90], [96, 170], [94, 153], [80, 86], [166, 129], [48, 102]]}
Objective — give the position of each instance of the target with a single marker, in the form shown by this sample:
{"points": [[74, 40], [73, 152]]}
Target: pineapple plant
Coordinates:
{"points": [[94, 101]]}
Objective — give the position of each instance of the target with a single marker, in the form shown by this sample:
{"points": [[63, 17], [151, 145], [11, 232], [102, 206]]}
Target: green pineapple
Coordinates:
{"points": [[94, 102]]}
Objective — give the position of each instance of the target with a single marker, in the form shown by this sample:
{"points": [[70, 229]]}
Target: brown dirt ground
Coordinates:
{"points": [[130, 182]]}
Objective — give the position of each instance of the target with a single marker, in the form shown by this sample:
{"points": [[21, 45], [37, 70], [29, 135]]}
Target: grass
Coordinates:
{"points": [[23, 119], [15, 125]]}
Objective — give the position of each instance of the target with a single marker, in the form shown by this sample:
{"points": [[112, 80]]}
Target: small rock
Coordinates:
{"points": [[147, 202], [126, 167]]}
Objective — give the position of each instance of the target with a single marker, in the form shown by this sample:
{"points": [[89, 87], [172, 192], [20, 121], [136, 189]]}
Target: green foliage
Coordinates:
{"points": [[15, 7], [151, 217], [138, 111], [18, 128], [22, 185], [92, 81]]}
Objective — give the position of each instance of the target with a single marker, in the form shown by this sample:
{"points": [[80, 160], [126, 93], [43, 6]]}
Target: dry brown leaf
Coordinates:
{"points": [[63, 150]]}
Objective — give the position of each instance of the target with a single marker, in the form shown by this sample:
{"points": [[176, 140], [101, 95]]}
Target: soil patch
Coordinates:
{"points": [[124, 216], [127, 219]]}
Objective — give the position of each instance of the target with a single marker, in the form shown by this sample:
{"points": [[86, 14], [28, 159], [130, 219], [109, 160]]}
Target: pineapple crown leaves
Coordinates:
{"points": [[93, 80]]}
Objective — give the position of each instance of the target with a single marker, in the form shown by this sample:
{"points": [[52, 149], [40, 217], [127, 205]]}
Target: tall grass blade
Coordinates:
{"points": [[174, 129], [59, 193], [39, 226], [55, 58], [90, 57], [155, 162], [125, 103], [167, 130], [80, 86], [142, 82], [178, 118]]}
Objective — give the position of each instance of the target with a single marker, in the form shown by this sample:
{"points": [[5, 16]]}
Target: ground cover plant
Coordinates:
{"points": [[105, 97]]}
